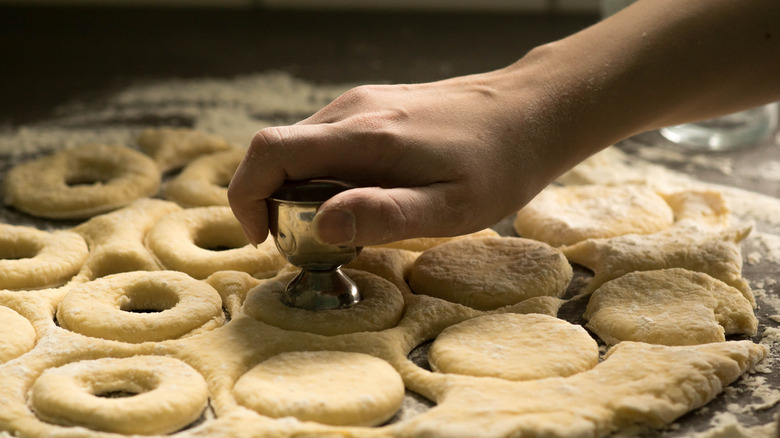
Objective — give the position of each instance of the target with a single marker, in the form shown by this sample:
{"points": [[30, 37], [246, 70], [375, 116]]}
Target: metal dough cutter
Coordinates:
{"points": [[321, 284]]}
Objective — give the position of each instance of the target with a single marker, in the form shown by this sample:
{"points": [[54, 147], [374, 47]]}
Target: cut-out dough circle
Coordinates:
{"points": [[141, 306], [381, 307], [186, 240], [514, 347], [81, 182], [17, 335], [490, 272], [329, 387], [32, 259], [669, 307], [204, 181], [163, 395], [567, 215]]}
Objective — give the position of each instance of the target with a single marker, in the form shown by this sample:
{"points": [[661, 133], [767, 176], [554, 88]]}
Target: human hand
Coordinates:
{"points": [[435, 159]]}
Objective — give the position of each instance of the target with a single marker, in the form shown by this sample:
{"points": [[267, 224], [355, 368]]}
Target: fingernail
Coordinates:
{"points": [[335, 226], [248, 236]]}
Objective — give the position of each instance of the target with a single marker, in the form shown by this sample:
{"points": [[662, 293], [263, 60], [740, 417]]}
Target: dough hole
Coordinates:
{"points": [[149, 300]]}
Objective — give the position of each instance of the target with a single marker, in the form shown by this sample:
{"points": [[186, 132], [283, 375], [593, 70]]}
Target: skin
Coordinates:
{"points": [[458, 155]]}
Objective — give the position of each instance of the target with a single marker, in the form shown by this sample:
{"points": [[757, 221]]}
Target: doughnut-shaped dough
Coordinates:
{"points": [[381, 307], [567, 215], [81, 182], [33, 259], [157, 395], [141, 306], [669, 307], [204, 181], [514, 347], [17, 335], [201, 241], [331, 387], [490, 272], [172, 148], [422, 243]]}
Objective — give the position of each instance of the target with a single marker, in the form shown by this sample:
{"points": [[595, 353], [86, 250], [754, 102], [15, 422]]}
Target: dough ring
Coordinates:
{"points": [[381, 307], [514, 347], [17, 335], [33, 259], [81, 182], [567, 215], [172, 148], [141, 306], [135, 395], [490, 272], [330, 387], [669, 307], [204, 181], [202, 241]]}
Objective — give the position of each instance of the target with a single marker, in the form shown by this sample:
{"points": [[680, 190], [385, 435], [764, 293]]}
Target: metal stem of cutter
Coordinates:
{"points": [[321, 284]]}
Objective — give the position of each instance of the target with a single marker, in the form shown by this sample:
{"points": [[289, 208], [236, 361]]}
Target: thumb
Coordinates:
{"points": [[373, 215]]}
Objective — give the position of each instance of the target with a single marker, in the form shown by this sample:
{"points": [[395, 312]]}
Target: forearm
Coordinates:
{"points": [[658, 63]]}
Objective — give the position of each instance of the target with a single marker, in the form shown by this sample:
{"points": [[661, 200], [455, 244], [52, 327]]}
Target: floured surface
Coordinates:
{"points": [[234, 109]]}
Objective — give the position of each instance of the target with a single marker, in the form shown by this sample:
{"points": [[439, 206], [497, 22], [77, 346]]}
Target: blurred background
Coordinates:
{"points": [[56, 51]]}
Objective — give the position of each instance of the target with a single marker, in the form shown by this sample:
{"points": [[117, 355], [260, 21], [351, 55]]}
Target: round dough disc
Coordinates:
{"points": [[514, 347], [669, 307], [330, 387], [490, 272], [380, 308], [567, 215]]}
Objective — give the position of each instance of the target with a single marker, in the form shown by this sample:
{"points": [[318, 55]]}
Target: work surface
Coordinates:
{"points": [[67, 65]]}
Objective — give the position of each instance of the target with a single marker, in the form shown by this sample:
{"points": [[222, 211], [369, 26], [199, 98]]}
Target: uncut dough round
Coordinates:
{"points": [[34, 259], [420, 244], [81, 182], [173, 148], [330, 387], [514, 347], [17, 335], [381, 307], [669, 307], [191, 241], [567, 215], [141, 306], [204, 181], [490, 272], [167, 394]]}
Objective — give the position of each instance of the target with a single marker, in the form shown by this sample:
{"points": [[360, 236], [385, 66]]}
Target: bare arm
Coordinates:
{"points": [[457, 155]]}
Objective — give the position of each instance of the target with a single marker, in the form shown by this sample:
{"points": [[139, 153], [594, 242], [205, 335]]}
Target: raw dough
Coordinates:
{"points": [[165, 395], [687, 245], [173, 148], [32, 259], [17, 335], [514, 347], [141, 306], [567, 215], [329, 387], [380, 308], [636, 384], [669, 307], [81, 182], [116, 239], [202, 241], [422, 243], [490, 272], [703, 206], [204, 181]]}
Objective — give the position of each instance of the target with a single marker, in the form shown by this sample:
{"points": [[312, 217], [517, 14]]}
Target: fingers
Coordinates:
{"points": [[372, 215]]}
